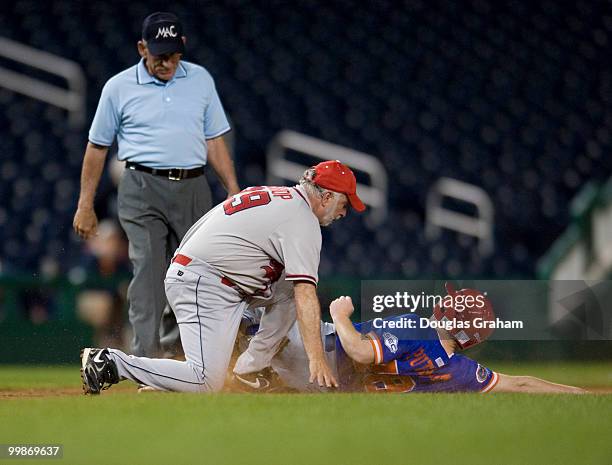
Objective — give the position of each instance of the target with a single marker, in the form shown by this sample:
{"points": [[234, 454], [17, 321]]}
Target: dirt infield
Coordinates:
{"points": [[57, 392], [77, 391], [40, 392]]}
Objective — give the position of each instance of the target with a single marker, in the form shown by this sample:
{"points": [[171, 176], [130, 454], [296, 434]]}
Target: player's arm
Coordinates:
{"points": [[85, 221], [221, 161], [354, 344], [309, 323], [530, 384]]}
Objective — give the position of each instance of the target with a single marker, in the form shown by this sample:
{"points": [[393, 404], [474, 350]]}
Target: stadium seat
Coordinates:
{"points": [[511, 97]]}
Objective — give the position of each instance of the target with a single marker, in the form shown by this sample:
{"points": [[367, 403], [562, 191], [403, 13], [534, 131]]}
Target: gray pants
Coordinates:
{"points": [[155, 213], [279, 315], [289, 361], [292, 365], [208, 313]]}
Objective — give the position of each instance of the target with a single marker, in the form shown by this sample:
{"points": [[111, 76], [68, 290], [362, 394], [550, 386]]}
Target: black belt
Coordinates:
{"points": [[175, 174]]}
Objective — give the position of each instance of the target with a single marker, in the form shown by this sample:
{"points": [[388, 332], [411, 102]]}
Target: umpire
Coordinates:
{"points": [[169, 123]]}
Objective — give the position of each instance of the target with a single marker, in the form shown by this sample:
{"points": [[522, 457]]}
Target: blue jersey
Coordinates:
{"points": [[409, 358]]}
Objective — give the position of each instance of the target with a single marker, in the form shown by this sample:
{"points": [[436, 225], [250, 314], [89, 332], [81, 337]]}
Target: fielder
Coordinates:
{"points": [[371, 359], [259, 248]]}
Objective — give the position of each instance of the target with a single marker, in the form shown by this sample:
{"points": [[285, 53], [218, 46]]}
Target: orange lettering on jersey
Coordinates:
{"points": [[419, 357], [440, 378], [421, 363], [389, 368], [380, 383]]}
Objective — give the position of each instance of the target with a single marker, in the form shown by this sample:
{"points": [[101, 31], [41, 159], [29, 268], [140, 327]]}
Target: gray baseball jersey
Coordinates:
{"points": [[229, 260], [255, 236]]}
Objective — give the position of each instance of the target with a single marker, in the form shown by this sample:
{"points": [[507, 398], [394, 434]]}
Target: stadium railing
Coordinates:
{"points": [[281, 169], [71, 99]]}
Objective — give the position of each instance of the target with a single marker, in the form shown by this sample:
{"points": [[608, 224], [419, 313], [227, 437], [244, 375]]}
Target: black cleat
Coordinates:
{"points": [[98, 371], [264, 381]]}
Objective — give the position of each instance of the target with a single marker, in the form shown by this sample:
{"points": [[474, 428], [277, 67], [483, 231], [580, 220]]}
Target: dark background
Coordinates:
{"points": [[511, 96]]}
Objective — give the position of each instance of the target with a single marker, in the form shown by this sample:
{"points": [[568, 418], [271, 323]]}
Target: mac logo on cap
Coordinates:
{"points": [[166, 32]]}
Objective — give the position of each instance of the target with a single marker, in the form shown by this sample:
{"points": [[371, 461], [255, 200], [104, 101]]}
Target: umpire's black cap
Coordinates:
{"points": [[163, 33]]}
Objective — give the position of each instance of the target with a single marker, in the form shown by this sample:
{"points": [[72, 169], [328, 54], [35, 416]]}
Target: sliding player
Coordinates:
{"points": [[377, 356]]}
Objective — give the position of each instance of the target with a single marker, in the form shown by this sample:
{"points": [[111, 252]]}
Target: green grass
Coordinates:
{"points": [[121, 426], [573, 373], [38, 377]]}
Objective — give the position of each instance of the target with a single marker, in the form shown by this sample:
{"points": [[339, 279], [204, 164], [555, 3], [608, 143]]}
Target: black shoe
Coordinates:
{"points": [[98, 371], [266, 380]]}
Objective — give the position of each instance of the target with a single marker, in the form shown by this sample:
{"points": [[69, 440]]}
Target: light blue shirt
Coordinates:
{"points": [[160, 124]]}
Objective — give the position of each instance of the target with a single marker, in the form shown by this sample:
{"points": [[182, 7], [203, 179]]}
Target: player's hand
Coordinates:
{"points": [[341, 307], [232, 192], [85, 222], [321, 373]]}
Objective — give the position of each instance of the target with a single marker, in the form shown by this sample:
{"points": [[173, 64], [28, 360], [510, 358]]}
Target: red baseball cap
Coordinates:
{"points": [[337, 177]]}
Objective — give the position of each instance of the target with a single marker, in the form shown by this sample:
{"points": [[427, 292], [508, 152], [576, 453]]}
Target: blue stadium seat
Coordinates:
{"points": [[511, 97]]}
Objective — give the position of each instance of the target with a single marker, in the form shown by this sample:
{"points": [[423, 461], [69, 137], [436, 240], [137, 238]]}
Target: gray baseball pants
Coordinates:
{"points": [[290, 360], [208, 313], [155, 213], [279, 315]]}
